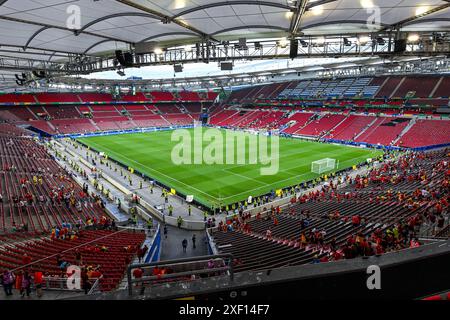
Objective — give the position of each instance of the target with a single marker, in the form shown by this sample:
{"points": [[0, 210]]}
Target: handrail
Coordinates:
{"points": [[61, 284], [96, 285], [228, 267]]}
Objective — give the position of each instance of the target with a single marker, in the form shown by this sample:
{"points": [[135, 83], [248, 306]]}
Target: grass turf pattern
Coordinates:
{"points": [[222, 184]]}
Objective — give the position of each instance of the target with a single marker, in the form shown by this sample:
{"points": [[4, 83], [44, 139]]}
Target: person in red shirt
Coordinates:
{"points": [[38, 280], [337, 256], [356, 220], [137, 274]]}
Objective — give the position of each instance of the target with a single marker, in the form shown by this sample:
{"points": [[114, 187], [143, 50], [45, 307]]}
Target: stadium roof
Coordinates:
{"points": [[41, 27]]}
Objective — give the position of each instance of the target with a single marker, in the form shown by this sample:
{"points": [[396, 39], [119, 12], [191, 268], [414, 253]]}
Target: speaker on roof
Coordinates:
{"points": [[125, 59], [39, 74], [226, 66], [243, 43], [178, 68], [128, 59], [120, 57], [293, 53], [400, 46], [145, 47]]}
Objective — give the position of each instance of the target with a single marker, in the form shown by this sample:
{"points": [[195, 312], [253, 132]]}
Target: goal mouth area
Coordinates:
{"points": [[323, 165]]}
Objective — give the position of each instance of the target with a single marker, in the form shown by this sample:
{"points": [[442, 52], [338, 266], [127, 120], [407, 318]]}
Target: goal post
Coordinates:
{"points": [[323, 165]]}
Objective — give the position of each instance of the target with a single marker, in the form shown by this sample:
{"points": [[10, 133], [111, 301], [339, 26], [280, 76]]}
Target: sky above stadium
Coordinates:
{"points": [[212, 69]]}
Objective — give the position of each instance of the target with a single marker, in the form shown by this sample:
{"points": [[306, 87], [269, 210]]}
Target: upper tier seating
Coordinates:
{"points": [[300, 118], [388, 88], [162, 96], [350, 128], [349, 87], [192, 107], [95, 97], [62, 112], [268, 120], [384, 131], [188, 96], [150, 121], [426, 133], [443, 90], [66, 126], [221, 117], [211, 96], [179, 119], [324, 124], [241, 120], [242, 94], [137, 97], [43, 126], [17, 98], [23, 113], [420, 86], [57, 97], [101, 108], [168, 108]]}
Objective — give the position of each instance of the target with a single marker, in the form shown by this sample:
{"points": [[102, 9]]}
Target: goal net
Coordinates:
{"points": [[324, 165]]}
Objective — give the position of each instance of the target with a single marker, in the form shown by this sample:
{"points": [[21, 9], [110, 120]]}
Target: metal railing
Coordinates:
{"points": [[60, 284], [226, 267]]}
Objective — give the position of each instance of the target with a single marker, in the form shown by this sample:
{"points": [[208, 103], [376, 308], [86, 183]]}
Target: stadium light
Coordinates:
{"points": [[366, 4], [363, 40], [421, 10], [413, 37], [283, 42], [158, 51], [317, 10], [320, 40]]}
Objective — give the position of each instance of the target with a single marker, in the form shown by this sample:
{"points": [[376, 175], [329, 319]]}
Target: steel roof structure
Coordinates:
{"points": [[44, 34]]}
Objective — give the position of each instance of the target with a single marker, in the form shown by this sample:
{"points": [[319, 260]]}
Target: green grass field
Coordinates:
{"points": [[150, 153]]}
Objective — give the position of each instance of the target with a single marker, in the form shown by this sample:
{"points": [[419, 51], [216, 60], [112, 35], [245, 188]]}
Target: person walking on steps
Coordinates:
{"points": [[7, 280], [165, 232], [184, 243], [194, 238]]}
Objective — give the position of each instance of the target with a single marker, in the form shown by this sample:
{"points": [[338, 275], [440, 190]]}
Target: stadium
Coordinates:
{"points": [[224, 150]]}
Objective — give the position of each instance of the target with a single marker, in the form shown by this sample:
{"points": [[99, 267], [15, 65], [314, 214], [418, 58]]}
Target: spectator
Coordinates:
{"points": [[38, 280], [25, 287], [184, 243], [7, 281], [85, 284], [78, 257], [193, 241], [137, 274]]}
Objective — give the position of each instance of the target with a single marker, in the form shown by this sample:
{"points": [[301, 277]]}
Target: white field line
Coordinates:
{"points": [[245, 177], [140, 164]]}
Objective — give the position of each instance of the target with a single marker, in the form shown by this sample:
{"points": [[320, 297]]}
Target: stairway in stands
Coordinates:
{"points": [[405, 130]]}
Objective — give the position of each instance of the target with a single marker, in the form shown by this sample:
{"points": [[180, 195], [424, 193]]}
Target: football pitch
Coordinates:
{"points": [[222, 184]]}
